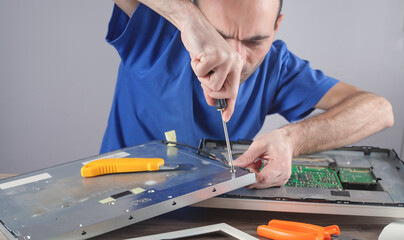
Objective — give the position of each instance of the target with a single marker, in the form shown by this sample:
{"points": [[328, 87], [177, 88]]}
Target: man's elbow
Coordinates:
{"points": [[386, 112]]}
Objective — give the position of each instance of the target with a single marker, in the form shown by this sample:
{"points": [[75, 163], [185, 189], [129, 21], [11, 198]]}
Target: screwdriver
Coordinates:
{"points": [[221, 105]]}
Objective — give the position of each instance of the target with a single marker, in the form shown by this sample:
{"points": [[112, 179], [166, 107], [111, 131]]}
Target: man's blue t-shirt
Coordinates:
{"points": [[157, 90]]}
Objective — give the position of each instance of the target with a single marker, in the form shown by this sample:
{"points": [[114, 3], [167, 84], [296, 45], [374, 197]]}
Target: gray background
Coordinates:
{"points": [[58, 74]]}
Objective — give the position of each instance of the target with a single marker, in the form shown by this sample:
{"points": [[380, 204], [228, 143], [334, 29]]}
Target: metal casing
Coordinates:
{"points": [[57, 203]]}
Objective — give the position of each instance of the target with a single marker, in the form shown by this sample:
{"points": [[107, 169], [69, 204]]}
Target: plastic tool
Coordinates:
{"points": [[220, 105], [122, 165], [287, 230]]}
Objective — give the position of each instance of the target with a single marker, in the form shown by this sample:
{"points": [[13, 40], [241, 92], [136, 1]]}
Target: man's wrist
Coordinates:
{"points": [[293, 135]]}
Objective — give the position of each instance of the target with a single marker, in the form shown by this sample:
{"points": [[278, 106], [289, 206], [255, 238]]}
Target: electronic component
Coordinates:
{"points": [[313, 177], [357, 178]]}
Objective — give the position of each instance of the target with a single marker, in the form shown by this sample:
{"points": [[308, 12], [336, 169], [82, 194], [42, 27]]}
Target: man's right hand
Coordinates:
{"points": [[216, 64]]}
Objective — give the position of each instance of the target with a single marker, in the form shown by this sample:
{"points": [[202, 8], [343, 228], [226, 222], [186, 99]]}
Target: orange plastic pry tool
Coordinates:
{"points": [[120, 165]]}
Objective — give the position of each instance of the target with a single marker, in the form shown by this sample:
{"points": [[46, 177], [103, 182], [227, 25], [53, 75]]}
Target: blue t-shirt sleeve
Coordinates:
{"points": [[141, 39], [299, 86]]}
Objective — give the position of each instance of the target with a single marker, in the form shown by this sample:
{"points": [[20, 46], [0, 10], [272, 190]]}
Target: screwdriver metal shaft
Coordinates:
{"points": [[226, 135], [220, 105]]}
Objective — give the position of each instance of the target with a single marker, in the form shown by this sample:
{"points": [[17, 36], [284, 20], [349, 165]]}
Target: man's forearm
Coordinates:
{"points": [[353, 119]]}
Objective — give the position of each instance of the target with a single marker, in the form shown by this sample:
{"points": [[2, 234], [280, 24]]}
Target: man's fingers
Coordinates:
{"points": [[202, 67], [255, 166], [212, 74], [210, 101], [218, 76], [229, 92], [271, 176], [214, 70], [228, 112], [214, 80], [249, 156], [223, 93], [262, 182]]}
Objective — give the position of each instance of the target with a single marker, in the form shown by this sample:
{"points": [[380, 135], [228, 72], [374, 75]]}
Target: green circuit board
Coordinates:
{"points": [[356, 175], [310, 172], [313, 177]]}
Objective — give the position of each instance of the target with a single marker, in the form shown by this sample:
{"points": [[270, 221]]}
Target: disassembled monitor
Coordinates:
{"points": [[58, 203], [363, 181]]}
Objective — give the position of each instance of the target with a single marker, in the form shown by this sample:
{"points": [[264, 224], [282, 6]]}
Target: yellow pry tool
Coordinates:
{"points": [[122, 165]]}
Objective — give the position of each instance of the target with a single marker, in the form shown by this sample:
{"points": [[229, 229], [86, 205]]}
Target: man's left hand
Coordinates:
{"points": [[274, 150]]}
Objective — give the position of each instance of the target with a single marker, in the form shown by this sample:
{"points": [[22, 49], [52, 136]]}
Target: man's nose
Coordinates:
{"points": [[240, 48]]}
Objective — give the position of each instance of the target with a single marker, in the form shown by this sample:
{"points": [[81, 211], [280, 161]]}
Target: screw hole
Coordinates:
{"points": [[174, 203], [83, 233], [130, 217], [214, 190]]}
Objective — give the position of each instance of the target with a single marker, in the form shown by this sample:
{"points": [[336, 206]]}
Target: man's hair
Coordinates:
{"points": [[277, 17]]}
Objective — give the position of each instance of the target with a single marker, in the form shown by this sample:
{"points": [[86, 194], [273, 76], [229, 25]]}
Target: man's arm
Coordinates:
{"points": [[216, 64], [351, 115]]}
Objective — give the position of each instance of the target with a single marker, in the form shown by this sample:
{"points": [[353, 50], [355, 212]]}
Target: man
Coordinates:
{"points": [[177, 54]]}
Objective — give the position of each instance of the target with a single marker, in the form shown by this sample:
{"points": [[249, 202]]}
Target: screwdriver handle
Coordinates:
{"points": [[220, 104]]}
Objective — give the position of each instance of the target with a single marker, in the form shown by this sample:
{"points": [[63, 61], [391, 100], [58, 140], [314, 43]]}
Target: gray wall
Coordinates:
{"points": [[57, 77], [57, 74]]}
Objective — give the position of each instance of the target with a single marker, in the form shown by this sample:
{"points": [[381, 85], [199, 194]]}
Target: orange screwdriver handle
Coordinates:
{"points": [[120, 165], [305, 227], [332, 230], [282, 234]]}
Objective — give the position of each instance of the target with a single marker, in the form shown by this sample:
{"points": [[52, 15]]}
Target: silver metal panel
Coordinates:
{"points": [[348, 158], [68, 206], [391, 172], [302, 207], [312, 194]]}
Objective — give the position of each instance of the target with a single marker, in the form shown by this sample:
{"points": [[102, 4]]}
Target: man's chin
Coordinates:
{"points": [[248, 71]]}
